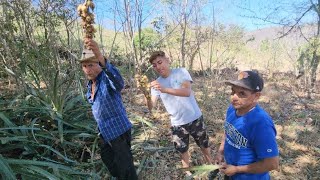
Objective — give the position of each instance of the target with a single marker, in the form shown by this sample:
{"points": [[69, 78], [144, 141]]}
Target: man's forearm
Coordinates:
{"points": [[262, 166], [221, 147], [114, 75], [102, 60], [183, 92]]}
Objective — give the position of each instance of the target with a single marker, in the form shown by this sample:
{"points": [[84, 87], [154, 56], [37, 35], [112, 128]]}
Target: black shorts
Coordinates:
{"points": [[196, 128]]}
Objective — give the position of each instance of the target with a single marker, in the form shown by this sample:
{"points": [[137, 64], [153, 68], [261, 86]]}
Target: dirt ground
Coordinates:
{"points": [[297, 120]]}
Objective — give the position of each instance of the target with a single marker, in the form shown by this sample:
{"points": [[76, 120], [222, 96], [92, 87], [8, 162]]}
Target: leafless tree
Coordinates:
{"points": [[131, 15]]}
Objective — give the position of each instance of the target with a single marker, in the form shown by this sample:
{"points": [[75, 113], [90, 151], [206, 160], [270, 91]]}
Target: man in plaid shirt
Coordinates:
{"points": [[104, 94]]}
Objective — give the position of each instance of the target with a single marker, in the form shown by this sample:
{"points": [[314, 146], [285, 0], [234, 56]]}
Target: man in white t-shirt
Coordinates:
{"points": [[173, 86]]}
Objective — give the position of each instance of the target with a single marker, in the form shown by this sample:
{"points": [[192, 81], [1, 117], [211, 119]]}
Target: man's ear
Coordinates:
{"points": [[257, 96], [168, 60], [100, 65]]}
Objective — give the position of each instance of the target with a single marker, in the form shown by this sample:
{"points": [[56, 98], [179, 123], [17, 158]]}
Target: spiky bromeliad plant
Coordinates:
{"points": [[45, 129]]}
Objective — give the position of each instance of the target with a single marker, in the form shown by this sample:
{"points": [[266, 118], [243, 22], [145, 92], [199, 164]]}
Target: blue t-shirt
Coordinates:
{"points": [[249, 138]]}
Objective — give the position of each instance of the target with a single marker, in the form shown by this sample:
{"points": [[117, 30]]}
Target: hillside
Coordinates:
{"points": [[293, 39], [266, 49]]}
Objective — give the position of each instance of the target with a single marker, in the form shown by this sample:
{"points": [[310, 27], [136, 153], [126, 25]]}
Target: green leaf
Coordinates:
{"points": [[58, 153], [204, 168], [6, 120], [41, 163], [85, 135], [143, 120], [43, 172], [5, 140], [5, 170], [19, 128]]}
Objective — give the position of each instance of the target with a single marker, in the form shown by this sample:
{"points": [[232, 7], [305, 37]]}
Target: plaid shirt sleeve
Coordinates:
{"points": [[115, 76]]}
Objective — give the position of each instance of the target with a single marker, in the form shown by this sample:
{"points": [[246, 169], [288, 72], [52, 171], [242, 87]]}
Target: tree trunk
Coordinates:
{"points": [[314, 67], [184, 29], [315, 57]]}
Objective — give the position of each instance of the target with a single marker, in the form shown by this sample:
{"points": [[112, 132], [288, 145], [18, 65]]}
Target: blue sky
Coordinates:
{"points": [[226, 11], [245, 12]]}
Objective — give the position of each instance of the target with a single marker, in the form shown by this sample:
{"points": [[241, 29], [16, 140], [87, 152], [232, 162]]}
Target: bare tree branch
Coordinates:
{"points": [[297, 22]]}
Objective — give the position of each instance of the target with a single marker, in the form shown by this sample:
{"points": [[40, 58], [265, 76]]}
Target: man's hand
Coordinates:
{"points": [[92, 45], [219, 158], [228, 170], [157, 86]]}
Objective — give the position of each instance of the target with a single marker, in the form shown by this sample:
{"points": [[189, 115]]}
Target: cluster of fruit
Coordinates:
{"points": [[143, 84], [87, 18]]}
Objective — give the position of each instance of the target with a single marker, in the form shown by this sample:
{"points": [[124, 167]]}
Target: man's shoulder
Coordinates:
{"points": [[259, 116], [259, 111], [181, 73], [180, 70]]}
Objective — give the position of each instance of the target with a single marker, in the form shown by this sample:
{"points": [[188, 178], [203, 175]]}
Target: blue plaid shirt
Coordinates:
{"points": [[107, 107]]}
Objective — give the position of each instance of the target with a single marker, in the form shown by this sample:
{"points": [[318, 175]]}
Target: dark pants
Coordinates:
{"points": [[117, 156]]}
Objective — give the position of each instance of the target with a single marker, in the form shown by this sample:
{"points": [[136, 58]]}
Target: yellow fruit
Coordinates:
{"points": [[90, 4], [91, 15], [88, 19], [88, 26], [143, 84], [79, 8], [87, 35], [84, 14], [90, 30], [83, 8]]}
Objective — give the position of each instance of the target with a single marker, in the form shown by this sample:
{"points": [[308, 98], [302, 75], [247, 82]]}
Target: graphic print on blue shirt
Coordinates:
{"points": [[235, 139]]}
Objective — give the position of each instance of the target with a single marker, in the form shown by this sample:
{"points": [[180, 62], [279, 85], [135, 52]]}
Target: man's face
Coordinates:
{"points": [[161, 66], [243, 99], [91, 69]]}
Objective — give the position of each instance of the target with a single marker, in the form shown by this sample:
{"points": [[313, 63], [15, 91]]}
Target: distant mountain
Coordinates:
{"points": [[283, 51], [296, 37]]}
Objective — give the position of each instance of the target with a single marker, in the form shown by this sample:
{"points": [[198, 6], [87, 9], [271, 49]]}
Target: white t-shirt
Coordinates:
{"points": [[182, 110]]}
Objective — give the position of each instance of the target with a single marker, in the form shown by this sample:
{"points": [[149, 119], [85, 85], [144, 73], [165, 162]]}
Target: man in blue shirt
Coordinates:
{"points": [[104, 94], [249, 146]]}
